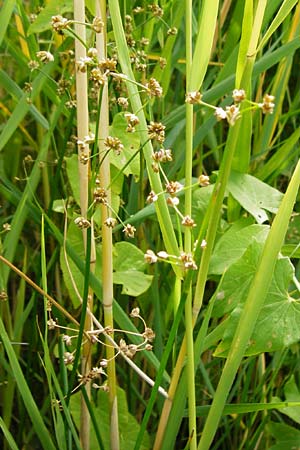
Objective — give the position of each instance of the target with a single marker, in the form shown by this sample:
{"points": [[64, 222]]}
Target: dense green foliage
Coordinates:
{"points": [[168, 204]]}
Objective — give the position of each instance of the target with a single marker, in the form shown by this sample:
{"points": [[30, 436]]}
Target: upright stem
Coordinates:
{"points": [[82, 131], [107, 247], [187, 233]]}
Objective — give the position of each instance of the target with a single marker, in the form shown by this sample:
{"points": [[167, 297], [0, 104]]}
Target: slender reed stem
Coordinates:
{"points": [[187, 233], [107, 247], [83, 150]]}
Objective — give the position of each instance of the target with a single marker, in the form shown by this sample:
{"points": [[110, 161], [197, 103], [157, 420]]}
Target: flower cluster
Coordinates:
{"points": [[185, 260]]}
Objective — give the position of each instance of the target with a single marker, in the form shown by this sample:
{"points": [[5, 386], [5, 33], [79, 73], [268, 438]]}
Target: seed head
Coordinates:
{"points": [[110, 222], [173, 187], [152, 197], [100, 196], [150, 257], [238, 95], [193, 97], [187, 221], [172, 31], [81, 222], [45, 56], [68, 358], [59, 23], [156, 130], [135, 312], [154, 88], [203, 180], [114, 143], [149, 334], [97, 24], [123, 102], [129, 230], [268, 104]]}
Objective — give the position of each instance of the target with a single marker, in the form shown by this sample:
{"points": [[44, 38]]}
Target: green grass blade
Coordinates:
{"points": [[5, 15], [7, 435], [283, 12], [252, 308], [30, 405], [204, 43]]}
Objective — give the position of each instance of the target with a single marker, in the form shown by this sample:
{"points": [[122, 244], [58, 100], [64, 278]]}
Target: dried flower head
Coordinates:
{"points": [[114, 143], [144, 41], [98, 77], [135, 312], [238, 95], [67, 339], [123, 102], [154, 89], [162, 155], [150, 257], [220, 113], [68, 358], [97, 24], [188, 261], [203, 180], [45, 56], [81, 222], [59, 23], [193, 97], [33, 65], [173, 201], [149, 334], [110, 222], [172, 31], [108, 64], [152, 197], [129, 230], [132, 121], [83, 62], [232, 114], [156, 10], [156, 130], [187, 221], [173, 187], [268, 104], [51, 324], [100, 195]]}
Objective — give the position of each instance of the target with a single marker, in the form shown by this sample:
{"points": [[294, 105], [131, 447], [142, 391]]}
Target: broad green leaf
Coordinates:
{"points": [[129, 265], [131, 142], [72, 173], [291, 394], [128, 426], [254, 195], [233, 244], [72, 274], [52, 8], [278, 323], [287, 437]]}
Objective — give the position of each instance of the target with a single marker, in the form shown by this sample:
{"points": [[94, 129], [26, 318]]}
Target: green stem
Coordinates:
{"points": [[188, 235]]}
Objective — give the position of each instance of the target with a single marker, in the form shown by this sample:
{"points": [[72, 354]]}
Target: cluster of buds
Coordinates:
{"points": [[129, 230], [156, 130], [132, 121], [173, 187], [203, 180], [100, 195], [231, 114], [185, 260], [193, 98], [152, 197], [59, 23], [162, 155], [268, 104], [113, 143], [44, 56], [153, 87], [156, 10]]}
